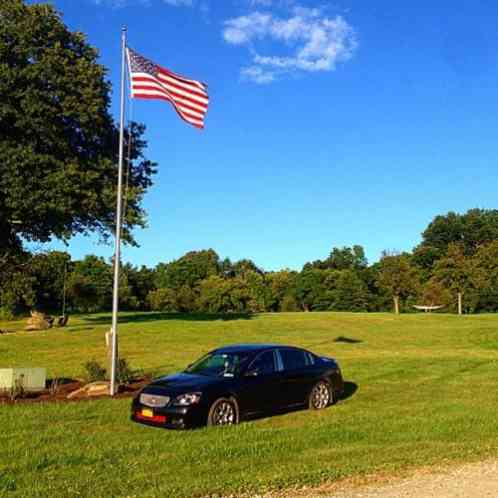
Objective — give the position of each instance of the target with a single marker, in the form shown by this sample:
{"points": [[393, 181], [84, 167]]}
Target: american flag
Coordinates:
{"points": [[150, 81]]}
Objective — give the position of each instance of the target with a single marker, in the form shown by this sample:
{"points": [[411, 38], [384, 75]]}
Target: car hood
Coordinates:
{"points": [[182, 382]]}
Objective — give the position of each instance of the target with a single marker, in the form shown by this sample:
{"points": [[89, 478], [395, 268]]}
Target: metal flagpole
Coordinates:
{"points": [[117, 254]]}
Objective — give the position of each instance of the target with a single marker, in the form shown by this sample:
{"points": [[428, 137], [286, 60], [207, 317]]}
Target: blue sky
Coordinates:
{"points": [[330, 124]]}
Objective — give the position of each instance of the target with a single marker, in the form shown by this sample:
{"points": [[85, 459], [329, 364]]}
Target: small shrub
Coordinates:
{"points": [[17, 390], [54, 386], [124, 373], [7, 483], [6, 314], [94, 371]]}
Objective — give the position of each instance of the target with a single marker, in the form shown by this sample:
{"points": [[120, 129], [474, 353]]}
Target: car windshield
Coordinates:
{"points": [[218, 365]]}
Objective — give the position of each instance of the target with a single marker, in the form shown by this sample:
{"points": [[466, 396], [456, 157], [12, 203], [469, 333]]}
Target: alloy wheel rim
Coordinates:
{"points": [[224, 414], [321, 396]]}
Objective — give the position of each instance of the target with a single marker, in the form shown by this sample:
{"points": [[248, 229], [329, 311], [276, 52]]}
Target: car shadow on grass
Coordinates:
{"points": [[145, 317], [349, 391], [347, 340]]}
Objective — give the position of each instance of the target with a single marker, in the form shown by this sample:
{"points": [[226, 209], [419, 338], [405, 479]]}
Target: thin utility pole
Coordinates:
{"points": [[117, 252]]}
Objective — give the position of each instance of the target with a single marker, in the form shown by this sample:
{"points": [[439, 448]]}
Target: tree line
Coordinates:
{"points": [[455, 266], [58, 155]]}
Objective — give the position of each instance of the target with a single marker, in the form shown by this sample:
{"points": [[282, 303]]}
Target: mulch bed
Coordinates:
{"points": [[60, 393]]}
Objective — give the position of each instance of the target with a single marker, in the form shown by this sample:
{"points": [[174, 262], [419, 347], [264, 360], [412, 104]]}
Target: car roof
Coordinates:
{"points": [[248, 348]]}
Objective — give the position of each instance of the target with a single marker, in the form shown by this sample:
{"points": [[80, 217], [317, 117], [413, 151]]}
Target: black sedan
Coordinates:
{"points": [[237, 382]]}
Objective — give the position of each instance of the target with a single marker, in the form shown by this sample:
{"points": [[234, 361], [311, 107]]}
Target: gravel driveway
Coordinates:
{"points": [[476, 480], [479, 480]]}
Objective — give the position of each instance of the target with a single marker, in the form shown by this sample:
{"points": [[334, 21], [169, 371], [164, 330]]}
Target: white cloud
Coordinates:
{"points": [[264, 3], [242, 30], [257, 75], [179, 3], [313, 42]]}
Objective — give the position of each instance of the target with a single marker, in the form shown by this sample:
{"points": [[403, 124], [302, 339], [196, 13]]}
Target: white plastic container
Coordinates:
{"points": [[31, 379]]}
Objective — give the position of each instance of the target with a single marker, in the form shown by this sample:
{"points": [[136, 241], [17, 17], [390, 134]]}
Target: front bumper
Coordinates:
{"points": [[169, 417]]}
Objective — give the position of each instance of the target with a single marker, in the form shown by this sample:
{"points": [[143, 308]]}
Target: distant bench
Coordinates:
{"points": [[428, 309]]}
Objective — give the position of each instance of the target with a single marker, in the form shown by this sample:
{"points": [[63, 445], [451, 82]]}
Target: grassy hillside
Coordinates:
{"points": [[423, 391]]}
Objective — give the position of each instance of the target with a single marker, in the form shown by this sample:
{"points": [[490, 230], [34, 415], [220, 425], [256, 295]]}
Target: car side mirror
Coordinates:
{"points": [[252, 373]]}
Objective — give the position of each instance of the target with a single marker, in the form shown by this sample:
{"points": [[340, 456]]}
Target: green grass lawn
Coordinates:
{"points": [[426, 394]]}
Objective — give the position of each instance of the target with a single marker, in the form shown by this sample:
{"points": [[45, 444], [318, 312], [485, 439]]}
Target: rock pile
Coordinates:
{"points": [[98, 388], [39, 321]]}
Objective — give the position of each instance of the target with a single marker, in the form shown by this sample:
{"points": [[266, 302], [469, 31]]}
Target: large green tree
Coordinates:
{"points": [[90, 284], [189, 270], [220, 295], [484, 277], [281, 287], [344, 258], [58, 140], [456, 272], [16, 283], [309, 289], [350, 292], [162, 300], [470, 230], [140, 282], [51, 272], [397, 277]]}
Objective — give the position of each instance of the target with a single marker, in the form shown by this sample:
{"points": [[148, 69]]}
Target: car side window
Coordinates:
{"points": [[309, 358], [264, 363], [293, 359]]}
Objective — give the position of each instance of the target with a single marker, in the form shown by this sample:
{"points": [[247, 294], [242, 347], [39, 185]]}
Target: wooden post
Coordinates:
{"points": [[459, 302], [396, 304]]}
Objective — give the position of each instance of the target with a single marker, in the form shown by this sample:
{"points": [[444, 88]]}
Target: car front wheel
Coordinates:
{"points": [[223, 411], [320, 396]]}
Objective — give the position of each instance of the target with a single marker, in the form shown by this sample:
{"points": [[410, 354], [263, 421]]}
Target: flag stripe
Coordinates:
{"points": [[145, 78], [153, 90], [139, 88], [165, 81], [166, 96], [185, 81], [196, 122], [183, 107], [179, 96], [150, 81], [180, 84], [179, 89]]}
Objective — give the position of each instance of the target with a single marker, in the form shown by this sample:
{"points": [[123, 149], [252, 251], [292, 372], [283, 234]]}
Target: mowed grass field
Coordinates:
{"points": [[426, 394]]}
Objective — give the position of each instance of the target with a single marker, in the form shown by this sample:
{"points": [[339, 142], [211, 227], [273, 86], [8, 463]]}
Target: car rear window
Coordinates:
{"points": [[293, 359]]}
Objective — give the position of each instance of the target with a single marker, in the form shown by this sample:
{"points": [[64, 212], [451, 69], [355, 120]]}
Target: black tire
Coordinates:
{"points": [[224, 411], [320, 396]]}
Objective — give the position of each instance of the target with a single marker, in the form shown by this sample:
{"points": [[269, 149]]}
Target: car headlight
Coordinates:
{"points": [[187, 399]]}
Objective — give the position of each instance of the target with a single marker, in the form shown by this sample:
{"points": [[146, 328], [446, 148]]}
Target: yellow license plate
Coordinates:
{"points": [[147, 413]]}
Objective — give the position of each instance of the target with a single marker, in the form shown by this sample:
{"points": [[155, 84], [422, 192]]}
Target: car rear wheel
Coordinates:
{"points": [[223, 411], [320, 396]]}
